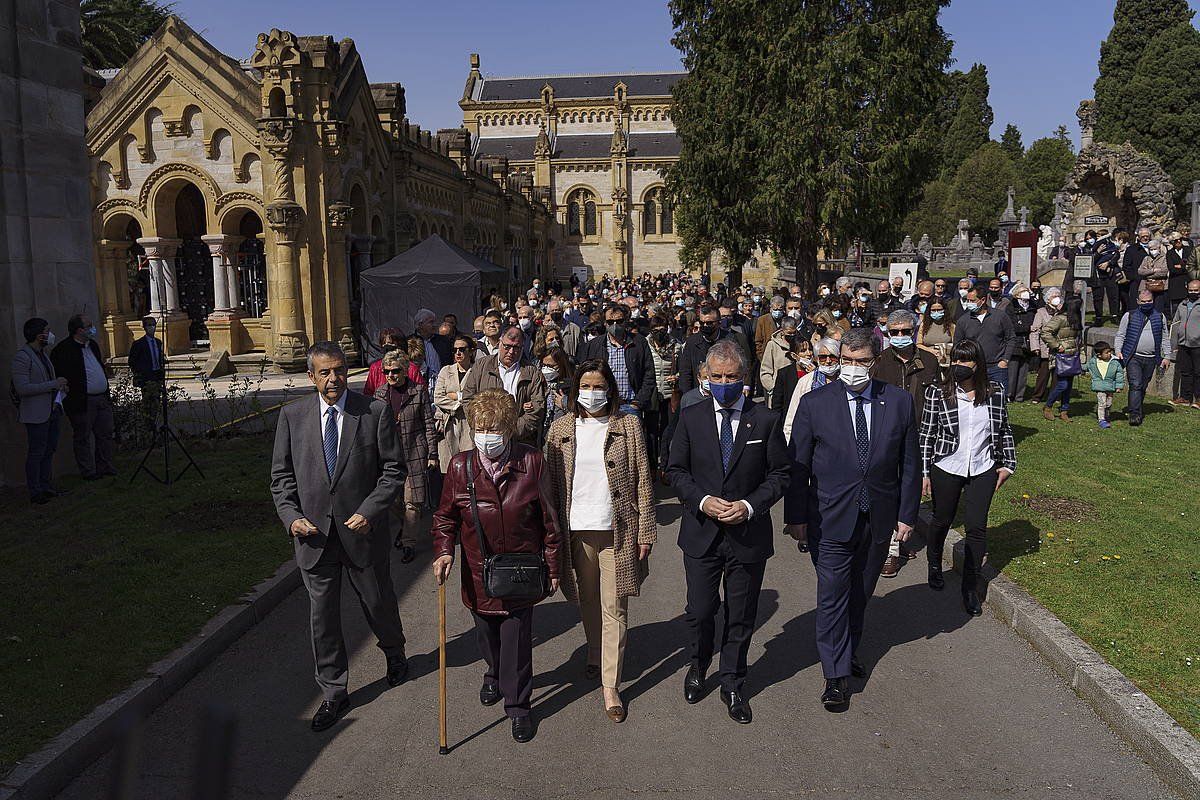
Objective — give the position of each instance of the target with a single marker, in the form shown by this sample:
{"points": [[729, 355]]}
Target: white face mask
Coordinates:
{"points": [[1023, 296], [490, 444], [525, 322], [704, 388], [51, 339], [829, 370], [593, 399], [550, 373], [962, 292], [855, 375]]}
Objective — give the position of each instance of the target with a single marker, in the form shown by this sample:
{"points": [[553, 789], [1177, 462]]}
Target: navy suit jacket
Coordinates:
{"points": [[759, 471], [825, 473]]}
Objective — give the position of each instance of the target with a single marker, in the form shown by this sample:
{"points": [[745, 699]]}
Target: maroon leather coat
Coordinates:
{"points": [[519, 518]]}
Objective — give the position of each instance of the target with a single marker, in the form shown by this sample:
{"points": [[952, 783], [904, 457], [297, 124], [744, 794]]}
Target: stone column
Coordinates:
{"points": [[113, 284], [225, 329], [285, 219], [164, 294], [341, 328]]}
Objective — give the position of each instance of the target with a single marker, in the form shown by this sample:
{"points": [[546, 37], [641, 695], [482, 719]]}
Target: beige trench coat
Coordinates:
{"points": [[450, 416]]}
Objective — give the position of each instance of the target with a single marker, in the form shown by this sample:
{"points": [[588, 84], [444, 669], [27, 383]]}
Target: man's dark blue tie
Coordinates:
{"points": [[726, 437], [331, 439], [863, 438]]}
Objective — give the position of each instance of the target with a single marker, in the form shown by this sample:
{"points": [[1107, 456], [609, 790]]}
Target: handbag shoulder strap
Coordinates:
{"points": [[483, 548]]}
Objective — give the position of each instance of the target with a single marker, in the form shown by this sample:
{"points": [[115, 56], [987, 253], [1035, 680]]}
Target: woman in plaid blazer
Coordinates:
{"points": [[967, 449]]}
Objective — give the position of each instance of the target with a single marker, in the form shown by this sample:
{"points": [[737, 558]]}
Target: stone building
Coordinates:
{"points": [[244, 198], [45, 247], [595, 147]]}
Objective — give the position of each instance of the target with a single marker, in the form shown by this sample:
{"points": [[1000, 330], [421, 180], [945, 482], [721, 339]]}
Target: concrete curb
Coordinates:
{"points": [[44, 773], [1162, 742]]}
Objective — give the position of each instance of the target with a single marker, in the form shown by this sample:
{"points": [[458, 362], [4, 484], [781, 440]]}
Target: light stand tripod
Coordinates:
{"points": [[163, 434]]}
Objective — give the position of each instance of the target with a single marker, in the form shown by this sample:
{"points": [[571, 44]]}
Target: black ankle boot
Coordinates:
{"points": [[936, 581]]}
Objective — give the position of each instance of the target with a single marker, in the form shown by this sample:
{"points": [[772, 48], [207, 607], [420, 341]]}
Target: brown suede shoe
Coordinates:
{"points": [[891, 567], [1063, 416], [1047, 412]]}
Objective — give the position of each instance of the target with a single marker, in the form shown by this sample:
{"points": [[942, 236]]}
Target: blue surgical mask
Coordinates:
{"points": [[837, 313], [936, 315], [726, 393], [900, 341], [971, 306], [777, 313], [91, 332]]}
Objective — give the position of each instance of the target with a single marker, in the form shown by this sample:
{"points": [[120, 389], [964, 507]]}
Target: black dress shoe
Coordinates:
{"points": [[489, 694], [693, 685], [397, 671], [522, 728], [739, 708], [857, 669], [936, 581], [971, 603], [329, 712], [407, 554], [836, 695]]}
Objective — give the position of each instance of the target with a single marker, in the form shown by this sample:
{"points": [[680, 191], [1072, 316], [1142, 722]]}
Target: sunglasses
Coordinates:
{"points": [[901, 331], [393, 372], [462, 349]]}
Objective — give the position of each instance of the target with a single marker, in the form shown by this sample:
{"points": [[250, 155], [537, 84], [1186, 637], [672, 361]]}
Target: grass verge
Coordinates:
{"points": [[101, 583]]}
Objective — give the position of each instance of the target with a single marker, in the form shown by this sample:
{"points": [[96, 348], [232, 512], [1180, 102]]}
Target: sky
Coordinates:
{"points": [[1041, 54]]}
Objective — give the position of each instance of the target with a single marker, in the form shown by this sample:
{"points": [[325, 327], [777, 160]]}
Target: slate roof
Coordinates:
{"points": [[642, 84], [590, 145]]}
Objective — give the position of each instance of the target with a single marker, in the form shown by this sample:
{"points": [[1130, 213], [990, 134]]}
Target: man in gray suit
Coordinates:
{"points": [[36, 386], [336, 469]]}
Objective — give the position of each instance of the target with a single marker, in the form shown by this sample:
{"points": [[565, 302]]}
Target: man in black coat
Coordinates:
{"points": [[147, 362], [78, 359], [695, 347], [1135, 254], [729, 464], [627, 355]]}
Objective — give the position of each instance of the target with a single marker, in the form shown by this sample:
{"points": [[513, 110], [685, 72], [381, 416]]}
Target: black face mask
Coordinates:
{"points": [[617, 331], [996, 292], [962, 373], [1193, 296], [557, 316], [821, 329], [709, 329]]}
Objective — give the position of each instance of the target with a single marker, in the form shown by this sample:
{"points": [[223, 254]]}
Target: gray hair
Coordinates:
{"points": [[726, 350], [1052, 293], [788, 324], [326, 349], [967, 281], [424, 315], [399, 357], [904, 317], [861, 339], [842, 281], [829, 345], [776, 302]]}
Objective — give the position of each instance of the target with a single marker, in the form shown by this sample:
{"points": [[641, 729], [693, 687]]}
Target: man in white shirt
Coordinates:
{"points": [[78, 359]]}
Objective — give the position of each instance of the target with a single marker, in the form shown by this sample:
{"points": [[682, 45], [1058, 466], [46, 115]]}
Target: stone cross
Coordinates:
{"points": [[1024, 212]]}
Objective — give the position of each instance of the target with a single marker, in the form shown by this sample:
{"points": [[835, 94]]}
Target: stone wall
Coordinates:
{"points": [[45, 235]]}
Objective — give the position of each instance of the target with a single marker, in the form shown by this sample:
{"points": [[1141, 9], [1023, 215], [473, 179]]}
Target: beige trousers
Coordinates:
{"points": [[605, 616], [404, 518]]}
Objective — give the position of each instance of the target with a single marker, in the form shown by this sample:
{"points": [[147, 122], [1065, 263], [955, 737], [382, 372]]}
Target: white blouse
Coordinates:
{"points": [[973, 456], [591, 501]]}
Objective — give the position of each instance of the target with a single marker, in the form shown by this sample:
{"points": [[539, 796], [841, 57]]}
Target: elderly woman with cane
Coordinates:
{"points": [[497, 506]]}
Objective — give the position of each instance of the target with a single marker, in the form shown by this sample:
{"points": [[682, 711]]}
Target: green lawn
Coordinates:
{"points": [[103, 582], [1126, 574]]}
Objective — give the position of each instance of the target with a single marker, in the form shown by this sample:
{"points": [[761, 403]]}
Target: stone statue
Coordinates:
{"points": [[1045, 242]]}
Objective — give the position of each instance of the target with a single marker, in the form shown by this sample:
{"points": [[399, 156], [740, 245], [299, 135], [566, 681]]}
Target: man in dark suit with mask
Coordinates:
{"points": [[856, 478], [729, 464]]}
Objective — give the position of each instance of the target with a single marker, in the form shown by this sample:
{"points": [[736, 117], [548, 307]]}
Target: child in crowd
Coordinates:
{"points": [[1108, 378]]}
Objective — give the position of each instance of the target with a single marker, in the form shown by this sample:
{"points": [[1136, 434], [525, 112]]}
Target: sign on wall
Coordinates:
{"points": [[1082, 267], [1095, 219], [906, 271]]}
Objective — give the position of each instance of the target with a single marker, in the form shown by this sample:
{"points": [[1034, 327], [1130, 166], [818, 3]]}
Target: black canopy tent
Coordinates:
{"points": [[434, 274]]}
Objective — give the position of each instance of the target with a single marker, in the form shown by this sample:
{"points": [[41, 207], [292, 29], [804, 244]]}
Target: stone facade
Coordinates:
{"points": [[242, 199], [596, 148], [45, 237]]}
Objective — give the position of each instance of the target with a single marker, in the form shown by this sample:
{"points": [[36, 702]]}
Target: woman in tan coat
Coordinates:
{"points": [[450, 416], [606, 517]]}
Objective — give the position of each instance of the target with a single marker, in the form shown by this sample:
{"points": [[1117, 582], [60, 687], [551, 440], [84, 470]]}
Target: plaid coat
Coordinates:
{"points": [[414, 429], [938, 433], [628, 469]]}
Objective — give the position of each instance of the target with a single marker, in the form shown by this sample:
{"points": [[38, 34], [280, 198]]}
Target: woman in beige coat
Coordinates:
{"points": [[450, 416], [606, 517]]}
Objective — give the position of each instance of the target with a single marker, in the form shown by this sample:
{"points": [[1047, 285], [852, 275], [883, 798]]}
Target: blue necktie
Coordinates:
{"points": [[331, 440], [864, 446], [153, 355], [726, 437]]}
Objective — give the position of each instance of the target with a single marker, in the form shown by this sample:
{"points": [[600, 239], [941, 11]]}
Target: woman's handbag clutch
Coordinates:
{"points": [[512, 576]]}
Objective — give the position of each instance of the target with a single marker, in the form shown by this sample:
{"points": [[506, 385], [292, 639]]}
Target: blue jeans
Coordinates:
{"points": [[1061, 391], [43, 440], [999, 375], [1140, 369]]}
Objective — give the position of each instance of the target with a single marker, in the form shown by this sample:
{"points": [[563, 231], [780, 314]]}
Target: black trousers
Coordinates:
{"points": [[1187, 372], [376, 595], [1042, 384], [506, 644], [742, 582], [1105, 288], [947, 490]]}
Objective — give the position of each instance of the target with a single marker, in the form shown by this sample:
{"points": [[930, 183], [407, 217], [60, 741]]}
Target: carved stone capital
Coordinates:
{"points": [[176, 128], [222, 245], [340, 215], [284, 216], [276, 49], [333, 137], [291, 348], [276, 134], [157, 247]]}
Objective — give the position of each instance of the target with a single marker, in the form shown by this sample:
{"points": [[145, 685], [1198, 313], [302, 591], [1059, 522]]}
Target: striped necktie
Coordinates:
{"points": [[331, 440]]}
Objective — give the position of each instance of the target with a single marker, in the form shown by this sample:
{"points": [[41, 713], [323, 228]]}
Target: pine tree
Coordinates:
{"points": [[1167, 125], [1063, 135], [1044, 170], [1137, 25], [1011, 142], [972, 123], [803, 122], [980, 189], [932, 215], [112, 30]]}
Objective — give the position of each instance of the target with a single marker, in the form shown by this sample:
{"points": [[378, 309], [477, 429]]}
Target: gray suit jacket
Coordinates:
{"points": [[35, 386], [369, 474]]}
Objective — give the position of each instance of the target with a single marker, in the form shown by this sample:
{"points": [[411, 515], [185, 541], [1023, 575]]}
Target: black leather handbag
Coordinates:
{"points": [[508, 576]]}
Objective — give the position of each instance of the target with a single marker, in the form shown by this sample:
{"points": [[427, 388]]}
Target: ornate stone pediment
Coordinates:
{"points": [[276, 49]]}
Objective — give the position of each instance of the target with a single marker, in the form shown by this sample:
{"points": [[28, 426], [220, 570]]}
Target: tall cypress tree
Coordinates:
{"points": [[803, 122], [1167, 125], [1011, 142], [971, 126], [1137, 25]]}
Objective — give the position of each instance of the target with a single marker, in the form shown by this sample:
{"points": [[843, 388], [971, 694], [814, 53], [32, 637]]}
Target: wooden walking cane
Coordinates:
{"points": [[442, 748]]}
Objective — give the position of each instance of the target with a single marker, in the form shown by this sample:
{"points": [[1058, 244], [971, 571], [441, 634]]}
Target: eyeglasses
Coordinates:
{"points": [[507, 346], [827, 358], [861, 362]]}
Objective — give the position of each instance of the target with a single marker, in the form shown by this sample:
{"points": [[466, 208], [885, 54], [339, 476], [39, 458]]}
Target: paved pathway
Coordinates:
{"points": [[953, 708]]}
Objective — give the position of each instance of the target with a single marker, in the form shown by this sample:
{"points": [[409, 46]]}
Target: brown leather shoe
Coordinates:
{"points": [[1047, 412], [615, 713], [1064, 417], [891, 567]]}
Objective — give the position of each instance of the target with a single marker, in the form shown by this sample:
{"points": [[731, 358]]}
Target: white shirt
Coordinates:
{"points": [[508, 376], [591, 500], [853, 405], [97, 381], [973, 456], [323, 409], [735, 421]]}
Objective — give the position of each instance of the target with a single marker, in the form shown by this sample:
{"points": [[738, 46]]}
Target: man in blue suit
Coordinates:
{"points": [[856, 477], [729, 463]]}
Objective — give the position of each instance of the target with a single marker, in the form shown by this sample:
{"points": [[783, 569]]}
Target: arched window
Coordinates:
{"points": [[666, 216], [581, 214], [277, 102], [573, 219], [589, 218], [657, 213], [650, 218]]}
